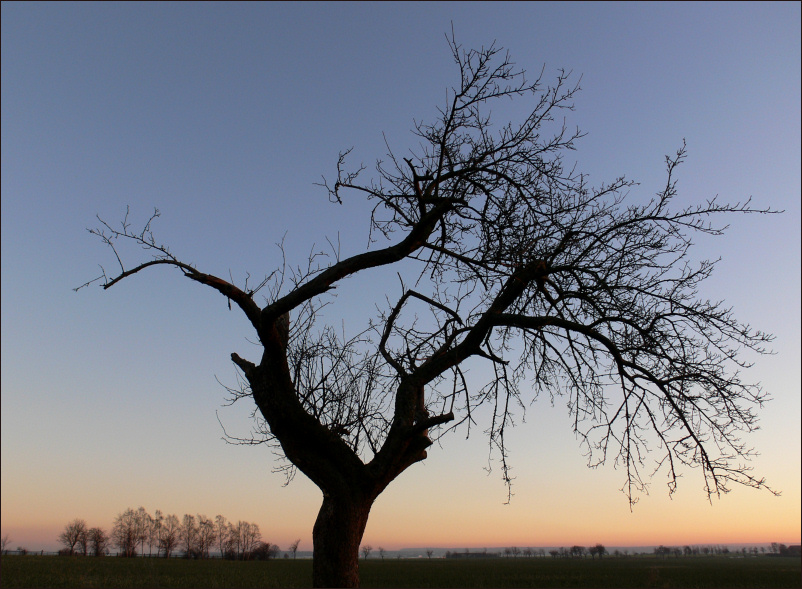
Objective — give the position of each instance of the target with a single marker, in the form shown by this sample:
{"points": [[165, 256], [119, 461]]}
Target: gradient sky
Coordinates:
{"points": [[224, 116]]}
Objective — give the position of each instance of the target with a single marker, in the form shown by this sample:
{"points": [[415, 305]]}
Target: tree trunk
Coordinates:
{"points": [[336, 538]]}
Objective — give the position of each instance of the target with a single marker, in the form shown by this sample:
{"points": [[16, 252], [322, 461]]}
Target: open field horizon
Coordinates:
{"points": [[667, 573], [413, 552]]}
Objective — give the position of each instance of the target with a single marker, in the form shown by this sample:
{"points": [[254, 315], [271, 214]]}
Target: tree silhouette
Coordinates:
{"points": [[169, 535], [505, 255], [294, 547], [74, 534], [98, 540], [125, 533]]}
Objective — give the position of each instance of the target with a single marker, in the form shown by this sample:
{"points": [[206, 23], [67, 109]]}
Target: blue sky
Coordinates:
{"points": [[224, 115]]}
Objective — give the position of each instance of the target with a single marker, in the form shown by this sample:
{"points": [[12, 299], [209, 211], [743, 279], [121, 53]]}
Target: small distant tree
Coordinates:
{"points": [[4, 541], [294, 547], [144, 524], [249, 535], [206, 535], [222, 532], [98, 541], [366, 550], [429, 554], [599, 549], [73, 534], [275, 550], [170, 531], [235, 535], [265, 551], [188, 534], [154, 536], [83, 542], [125, 533], [381, 552]]}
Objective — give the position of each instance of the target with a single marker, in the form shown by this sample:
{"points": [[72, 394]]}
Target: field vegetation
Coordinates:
{"points": [[651, 571]]}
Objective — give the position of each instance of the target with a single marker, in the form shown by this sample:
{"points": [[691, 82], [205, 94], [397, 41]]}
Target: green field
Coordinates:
{"points": [[53, 571]]}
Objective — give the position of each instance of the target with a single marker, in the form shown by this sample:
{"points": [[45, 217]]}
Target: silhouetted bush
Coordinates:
{"points": [[264, 551]]}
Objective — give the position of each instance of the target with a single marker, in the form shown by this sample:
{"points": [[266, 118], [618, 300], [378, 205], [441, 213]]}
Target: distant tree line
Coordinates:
{"points": [[676, 551], [600, 550], [192, 536]]}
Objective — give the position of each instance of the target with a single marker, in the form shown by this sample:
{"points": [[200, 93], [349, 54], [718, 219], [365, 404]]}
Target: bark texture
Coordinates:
{"points": [[337, 535]]}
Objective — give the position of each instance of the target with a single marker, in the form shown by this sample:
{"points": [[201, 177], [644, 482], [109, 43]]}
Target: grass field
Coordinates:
{"points": [[53, 571]]}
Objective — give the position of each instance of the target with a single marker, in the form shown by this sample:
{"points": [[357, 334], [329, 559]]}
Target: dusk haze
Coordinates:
{"points": [[229, 118]]}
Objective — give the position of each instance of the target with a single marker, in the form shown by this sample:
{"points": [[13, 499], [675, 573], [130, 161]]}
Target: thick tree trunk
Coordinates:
{"points": [[336, 537]]}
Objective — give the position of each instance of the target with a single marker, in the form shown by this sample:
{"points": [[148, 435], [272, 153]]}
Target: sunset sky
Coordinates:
{"points": [[224, 116]]}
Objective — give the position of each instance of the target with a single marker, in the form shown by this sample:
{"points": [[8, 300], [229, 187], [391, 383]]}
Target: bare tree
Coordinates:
{"points": [[4, 541], [83, 542], [154, 531], [98, 541], [170, 531], [206, 535], [366, 550], [294, 547], [235, 535], [125, 533], [250, 537], [222, 534], [157, 529], [429, 554], [505, 255], [188, 534], [74, 533], [144, 523], [382, 552]]}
